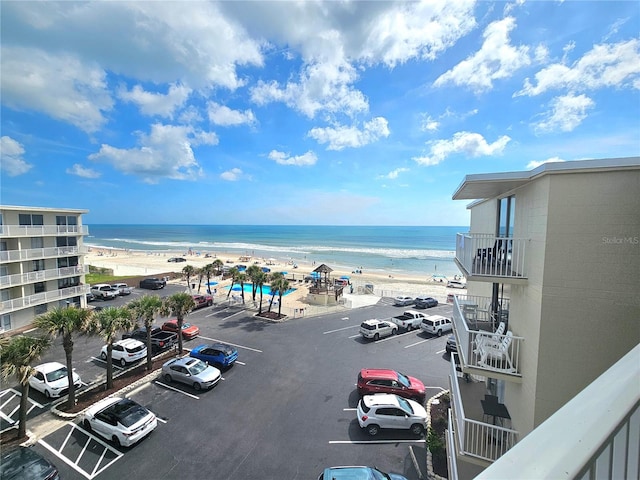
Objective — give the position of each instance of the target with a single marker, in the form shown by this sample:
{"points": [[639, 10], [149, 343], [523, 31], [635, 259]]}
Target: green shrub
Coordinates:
{"points": [[435, 443]]}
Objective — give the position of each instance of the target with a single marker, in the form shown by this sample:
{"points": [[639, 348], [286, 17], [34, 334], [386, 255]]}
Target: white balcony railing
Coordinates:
{"points": [[486, 255], [42, 230], [37, 253], [42, 275], [470, 333], [474, 438], [9, 306], [594, 435], [452, 463]]}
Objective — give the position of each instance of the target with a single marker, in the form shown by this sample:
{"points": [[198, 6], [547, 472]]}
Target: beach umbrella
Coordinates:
{"points": [[284, 273], [266, 269], [211, 284], [345, 277], [315, 274]]}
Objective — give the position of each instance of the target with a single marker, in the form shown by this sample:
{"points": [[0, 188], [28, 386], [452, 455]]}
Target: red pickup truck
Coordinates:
{"points": [[202, 300]]}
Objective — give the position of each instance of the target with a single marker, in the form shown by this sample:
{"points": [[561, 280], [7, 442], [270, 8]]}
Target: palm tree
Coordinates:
{"points": [[280, 286], [107, 323], [16, 356], [259, 280], [208, 271], [189, 271], [275, 278], [252, 272], [234, 272], [218, 266], [178, 304], [241, 279], [65, 322], [146, 308], [200, 274]]}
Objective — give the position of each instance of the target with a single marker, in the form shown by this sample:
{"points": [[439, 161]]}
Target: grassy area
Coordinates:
{"points": [[93, 278]]}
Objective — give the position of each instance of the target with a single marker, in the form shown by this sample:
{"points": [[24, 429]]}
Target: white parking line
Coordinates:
{"points": [[391, 337], [232, 344], [375, 442], [161, 420], [240, 363], [176, 389], [418, 343], [349, 409], [115, 365], [340, 329], [440, 351]]}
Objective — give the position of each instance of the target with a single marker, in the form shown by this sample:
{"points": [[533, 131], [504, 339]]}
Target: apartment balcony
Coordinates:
{"points": [[9, 306], [475, 436], [483, 348], [488, 258], [42, 276], [39, 253], [594, 435], [10, 231]]}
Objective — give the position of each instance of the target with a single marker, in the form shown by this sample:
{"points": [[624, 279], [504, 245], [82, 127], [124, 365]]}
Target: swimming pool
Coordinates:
{"points": [[266, 290]]}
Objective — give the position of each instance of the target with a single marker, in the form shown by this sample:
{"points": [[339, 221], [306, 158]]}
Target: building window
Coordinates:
{"points": [[6, 322], [66, 242], [38, 287], [68, 282], [26, 219], [40, 309], [38, 265], [37, 242], [506, 216]]}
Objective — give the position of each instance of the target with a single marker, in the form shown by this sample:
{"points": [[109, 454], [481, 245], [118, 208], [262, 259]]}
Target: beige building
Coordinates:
{"points": [[41, 262], [552, 260]]}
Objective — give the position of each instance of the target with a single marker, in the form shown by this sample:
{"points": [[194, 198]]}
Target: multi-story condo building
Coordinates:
{"points": [[41, 262], [552, 262]]}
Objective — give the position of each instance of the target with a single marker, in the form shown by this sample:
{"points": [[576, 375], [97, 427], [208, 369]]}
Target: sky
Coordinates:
{"points": [[310, 113]]}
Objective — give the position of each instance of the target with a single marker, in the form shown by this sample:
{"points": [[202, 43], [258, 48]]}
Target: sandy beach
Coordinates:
{"points": [[135, 263]]}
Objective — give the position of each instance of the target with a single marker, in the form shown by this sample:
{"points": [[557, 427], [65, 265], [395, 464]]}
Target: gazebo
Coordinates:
{"points": [[324, 291]]}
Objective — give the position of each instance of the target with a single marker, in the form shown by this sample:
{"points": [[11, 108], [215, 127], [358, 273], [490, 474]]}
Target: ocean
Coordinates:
{"points": [[422, 251]]}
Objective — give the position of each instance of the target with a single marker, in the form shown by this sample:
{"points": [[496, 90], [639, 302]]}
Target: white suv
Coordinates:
{"points": [[125, 351], [104, 291], [436, 325], [391, 411], [377, 329]]}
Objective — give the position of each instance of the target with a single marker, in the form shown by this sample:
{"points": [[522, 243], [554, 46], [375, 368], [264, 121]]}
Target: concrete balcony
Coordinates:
{"points": [[475, 326], [474, 439], [42, 276], [9, 306], [38, 253], [7, 231], [488, 258]]}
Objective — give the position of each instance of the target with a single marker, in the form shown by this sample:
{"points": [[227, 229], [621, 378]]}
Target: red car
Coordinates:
{"points": [[202, 300], [188, 331], [374, 380]]}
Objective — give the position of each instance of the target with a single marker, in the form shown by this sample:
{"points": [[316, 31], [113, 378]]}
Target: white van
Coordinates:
{"points": [[436, 325]]}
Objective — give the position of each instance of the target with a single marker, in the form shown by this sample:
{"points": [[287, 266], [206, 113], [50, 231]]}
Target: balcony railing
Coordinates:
{"points": [[42, 275], [486, 255], [471, 333], [595, 435], [474, 438], [9, 306], [42, 230], [37, 253]]}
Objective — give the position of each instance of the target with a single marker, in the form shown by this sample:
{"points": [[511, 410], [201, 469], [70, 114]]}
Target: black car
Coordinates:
{"points": [[177, 259], [152, 283], [452, 345], [25, 464], [425, 302]]}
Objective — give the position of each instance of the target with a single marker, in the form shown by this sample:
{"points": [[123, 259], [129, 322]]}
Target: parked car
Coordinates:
{"points": [[377, 329], [219, 355], [402, 300], [202, 300], [120, 420], [436, 325], [376, 412], [104, 291], [426, 302], [191, 371], [24, 463], [177, 259], [374, 380], [52, 380], [123, 288], [456, 284], [357, 473], [125, 351], [188, 331], [90, 297], [160, 340], [452, 344], [152, 283]]}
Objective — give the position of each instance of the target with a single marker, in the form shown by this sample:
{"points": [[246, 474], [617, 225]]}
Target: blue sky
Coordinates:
{"points": [[321, 113]]}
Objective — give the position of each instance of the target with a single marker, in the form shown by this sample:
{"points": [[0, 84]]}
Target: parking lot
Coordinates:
{"points": [[285, 410]]}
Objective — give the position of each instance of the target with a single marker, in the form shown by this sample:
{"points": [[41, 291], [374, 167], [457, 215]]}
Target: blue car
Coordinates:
{"points": [[217, 354]]}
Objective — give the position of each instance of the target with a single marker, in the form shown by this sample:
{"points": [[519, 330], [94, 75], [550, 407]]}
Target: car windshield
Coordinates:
{"points": [[368, 326], [197, 367], [404, 381], [404, 405], [185, 326], [57, 374]]}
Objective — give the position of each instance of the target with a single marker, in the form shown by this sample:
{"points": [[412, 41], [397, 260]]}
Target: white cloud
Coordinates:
{"points": [[152, 103], [535, 163], [610, 65], [223, 115], [58, 85], [232, 175], [83, 172], [11, 160], [392, 175], [428, 124], [341, 137], [567, 112], [471, 144], [282, 158], [497, 59], [164, 153]]}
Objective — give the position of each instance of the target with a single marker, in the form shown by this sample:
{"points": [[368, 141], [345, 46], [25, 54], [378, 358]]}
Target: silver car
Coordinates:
{"points": [[191, 371]]}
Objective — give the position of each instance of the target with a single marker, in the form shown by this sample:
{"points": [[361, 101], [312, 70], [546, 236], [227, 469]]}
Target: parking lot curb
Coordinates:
{"points": [[430, 473]]}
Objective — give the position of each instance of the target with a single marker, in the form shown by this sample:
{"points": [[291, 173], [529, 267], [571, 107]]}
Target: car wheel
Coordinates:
{"points": [[103, 356], [196, 386], [376, 337], [167, 378], [116, 441], [373, 430], [394, 331], [209, 304], [123, 362], [47, 394], [439, 333], [417, 429], [87, 425]]}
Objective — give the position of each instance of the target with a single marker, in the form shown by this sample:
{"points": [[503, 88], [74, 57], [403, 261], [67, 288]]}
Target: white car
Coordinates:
{"points": [[125, 351], [123, 288], [436, 325], [52, 379], [402, 300], [385, 410], [377, 329], [104, 291], [120, 420], [456, 284]]}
